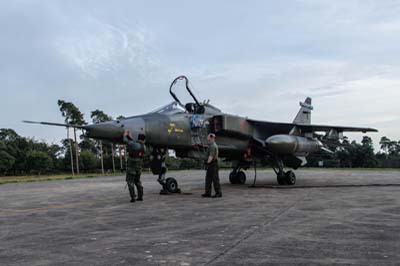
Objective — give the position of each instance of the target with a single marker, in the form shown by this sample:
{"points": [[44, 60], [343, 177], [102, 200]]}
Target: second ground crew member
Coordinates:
{"points": [[136, 150], [212, 175]]}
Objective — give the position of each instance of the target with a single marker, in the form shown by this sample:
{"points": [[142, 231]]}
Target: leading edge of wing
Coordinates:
{"points": [[313, 128]]}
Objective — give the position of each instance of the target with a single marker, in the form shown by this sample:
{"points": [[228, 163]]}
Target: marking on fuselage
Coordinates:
{"points": [[173, 129]]}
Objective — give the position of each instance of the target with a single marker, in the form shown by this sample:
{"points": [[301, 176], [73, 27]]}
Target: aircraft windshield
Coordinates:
{"points": [[172, 108]]}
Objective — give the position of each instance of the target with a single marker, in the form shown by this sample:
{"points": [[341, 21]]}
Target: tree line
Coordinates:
{"points": [[76, 153], [359, 155]]}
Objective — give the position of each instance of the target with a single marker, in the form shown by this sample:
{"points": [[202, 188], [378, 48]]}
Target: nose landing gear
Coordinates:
{"points": [[158, 167], [237, 176], [172, 185]]}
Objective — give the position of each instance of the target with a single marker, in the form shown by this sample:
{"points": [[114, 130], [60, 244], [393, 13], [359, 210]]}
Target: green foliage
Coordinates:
{"points": [[71, 113], [88, 161], [187, 163], [6, 161], [348, 155], [39, 161], [88, 144], [362, 155], [99, 116], [22, 156], [172, 163]]}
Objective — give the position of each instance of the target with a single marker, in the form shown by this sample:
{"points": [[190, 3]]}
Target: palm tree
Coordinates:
{"points": [[70, 152], [385, 144]]}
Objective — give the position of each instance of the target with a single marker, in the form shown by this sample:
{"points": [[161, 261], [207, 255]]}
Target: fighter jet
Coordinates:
{"points": [[183, 127]]}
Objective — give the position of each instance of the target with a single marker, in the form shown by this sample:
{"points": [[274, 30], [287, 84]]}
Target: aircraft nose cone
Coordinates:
{"points": [[105, 131]]}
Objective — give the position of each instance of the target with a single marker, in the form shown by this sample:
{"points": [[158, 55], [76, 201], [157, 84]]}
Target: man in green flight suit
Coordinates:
{"points": [[136, 150], [212, 176]]}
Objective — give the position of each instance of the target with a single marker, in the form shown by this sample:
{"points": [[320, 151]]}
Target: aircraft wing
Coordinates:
{"points": [[281, 127], [325, 128]]}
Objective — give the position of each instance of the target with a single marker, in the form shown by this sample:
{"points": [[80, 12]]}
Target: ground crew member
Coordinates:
{"points": [[136, 150], [159, 167], [212, 176]]}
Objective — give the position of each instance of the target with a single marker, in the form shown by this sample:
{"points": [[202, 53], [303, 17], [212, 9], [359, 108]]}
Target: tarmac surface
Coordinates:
{"points": [[331, 217]]}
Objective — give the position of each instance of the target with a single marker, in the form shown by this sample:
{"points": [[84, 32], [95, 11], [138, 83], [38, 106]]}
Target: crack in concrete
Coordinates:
{"points": [[251, 233]]}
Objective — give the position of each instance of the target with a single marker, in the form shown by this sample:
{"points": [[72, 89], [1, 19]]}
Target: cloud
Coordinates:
{"points": [[100, 47], [257, 60]]}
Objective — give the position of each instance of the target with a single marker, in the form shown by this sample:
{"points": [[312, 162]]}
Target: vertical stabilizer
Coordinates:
{"points": [[304, 114]]}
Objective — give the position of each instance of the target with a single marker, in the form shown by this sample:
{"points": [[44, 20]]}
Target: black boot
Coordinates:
{"points": [[140, 194]]}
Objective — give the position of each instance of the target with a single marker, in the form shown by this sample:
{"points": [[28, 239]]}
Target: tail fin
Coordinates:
{"points": [[304, 114]]}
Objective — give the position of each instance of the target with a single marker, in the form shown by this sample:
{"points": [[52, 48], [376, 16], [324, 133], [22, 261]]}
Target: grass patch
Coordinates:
{"points": [[20, 179]]}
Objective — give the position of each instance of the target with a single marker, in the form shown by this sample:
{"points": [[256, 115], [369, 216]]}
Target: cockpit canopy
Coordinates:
{"points": [[177, 107], [171, 108], [191, 107]]}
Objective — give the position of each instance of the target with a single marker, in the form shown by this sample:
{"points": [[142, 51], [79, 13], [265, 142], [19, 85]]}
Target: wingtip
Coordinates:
{"points": [[370, 130]]}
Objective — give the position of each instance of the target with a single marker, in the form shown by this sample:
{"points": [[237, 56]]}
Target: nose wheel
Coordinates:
{"points": [[158, 167], [172, 185]]}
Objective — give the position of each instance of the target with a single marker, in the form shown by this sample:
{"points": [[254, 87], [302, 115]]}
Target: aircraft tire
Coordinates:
{"points": [[290, 178], [281, 180], [171, 185], [232, 178], [241, 178]]}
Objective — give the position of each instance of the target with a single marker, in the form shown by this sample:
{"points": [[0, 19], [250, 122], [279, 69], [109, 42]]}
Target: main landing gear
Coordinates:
{"points": [[237, 176], [283, 178]]}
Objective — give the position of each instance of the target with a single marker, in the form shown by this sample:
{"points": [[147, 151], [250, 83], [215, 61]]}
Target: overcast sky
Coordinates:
{"points": [[252, 58]]}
